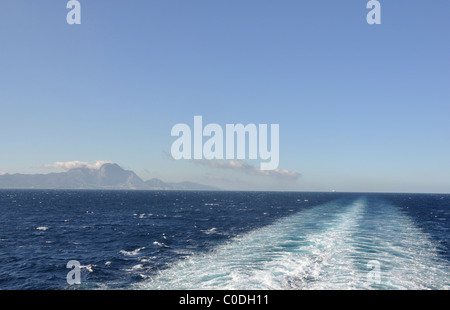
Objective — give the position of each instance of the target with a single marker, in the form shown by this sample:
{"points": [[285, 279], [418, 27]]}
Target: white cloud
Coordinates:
{"points": [[249, 169], [76, 164]]}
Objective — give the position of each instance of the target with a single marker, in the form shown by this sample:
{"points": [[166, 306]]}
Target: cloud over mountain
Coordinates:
{"points": [[249, 169], [76, 164]]}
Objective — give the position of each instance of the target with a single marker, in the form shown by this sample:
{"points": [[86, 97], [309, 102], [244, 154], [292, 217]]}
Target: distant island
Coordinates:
{"points": [[108, 176]]}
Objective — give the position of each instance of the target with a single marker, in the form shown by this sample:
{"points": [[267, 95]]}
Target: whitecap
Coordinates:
{"points": [[131, 253], [88, 267], [134, 268], [160, 244], [210, 231]]}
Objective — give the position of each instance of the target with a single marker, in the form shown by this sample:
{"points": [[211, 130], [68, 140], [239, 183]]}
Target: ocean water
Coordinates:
{"points": [[224, 240]]}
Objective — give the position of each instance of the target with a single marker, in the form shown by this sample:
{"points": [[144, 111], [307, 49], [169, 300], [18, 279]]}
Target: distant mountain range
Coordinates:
{"points": [[108, 176]]}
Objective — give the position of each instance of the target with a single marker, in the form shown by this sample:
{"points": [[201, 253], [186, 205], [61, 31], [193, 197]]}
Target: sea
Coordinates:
{"points": [[187, 240]]}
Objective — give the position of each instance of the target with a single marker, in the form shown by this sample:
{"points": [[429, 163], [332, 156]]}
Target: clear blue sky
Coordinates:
{"points": [[361, 107]]}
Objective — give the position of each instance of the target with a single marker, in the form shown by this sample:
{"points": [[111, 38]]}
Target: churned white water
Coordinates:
{"points": [[346, 244]]}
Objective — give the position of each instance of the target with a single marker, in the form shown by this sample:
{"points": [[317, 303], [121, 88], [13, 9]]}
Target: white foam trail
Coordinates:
{"points": [[327, 247], [407, 256], [281, 255]]}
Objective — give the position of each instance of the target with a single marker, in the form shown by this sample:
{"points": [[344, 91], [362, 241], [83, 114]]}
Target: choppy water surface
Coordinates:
{"points": [[224, 240]]}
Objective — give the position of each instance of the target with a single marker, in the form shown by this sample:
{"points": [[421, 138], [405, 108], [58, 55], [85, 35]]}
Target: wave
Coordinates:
{"points": [[345, 244]]}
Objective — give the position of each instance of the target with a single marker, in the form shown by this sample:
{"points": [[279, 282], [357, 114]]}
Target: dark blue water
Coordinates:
{"points": [[243, 240]]}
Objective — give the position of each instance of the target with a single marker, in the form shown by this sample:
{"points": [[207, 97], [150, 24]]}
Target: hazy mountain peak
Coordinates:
{"points": [[107, 176], [110, 166]]}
